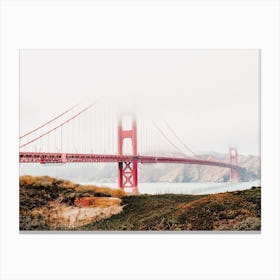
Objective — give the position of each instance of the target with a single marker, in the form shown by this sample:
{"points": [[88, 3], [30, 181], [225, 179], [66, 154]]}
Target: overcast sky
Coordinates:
{"points": [[209, 97]]}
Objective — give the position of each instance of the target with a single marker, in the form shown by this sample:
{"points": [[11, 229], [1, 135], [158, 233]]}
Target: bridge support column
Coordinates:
{"points": [[233, 157], [128, 171]]}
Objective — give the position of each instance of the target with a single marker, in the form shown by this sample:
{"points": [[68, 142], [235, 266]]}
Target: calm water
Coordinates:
{"points": [[185, 188]]}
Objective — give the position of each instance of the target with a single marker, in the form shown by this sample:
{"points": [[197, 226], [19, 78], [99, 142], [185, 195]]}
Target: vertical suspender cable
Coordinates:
{"points": [[61, 148]]}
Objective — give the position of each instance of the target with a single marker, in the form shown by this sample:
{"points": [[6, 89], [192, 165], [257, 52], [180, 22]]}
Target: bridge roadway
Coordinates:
{"points": [[46, 158]]}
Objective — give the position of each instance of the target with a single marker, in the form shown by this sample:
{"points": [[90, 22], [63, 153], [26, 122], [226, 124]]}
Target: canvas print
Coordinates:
{"points": [[139, 140]]}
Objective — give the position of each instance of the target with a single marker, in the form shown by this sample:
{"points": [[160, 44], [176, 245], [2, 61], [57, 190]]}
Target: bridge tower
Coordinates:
{"points": [[128, 171], [233, 158]]}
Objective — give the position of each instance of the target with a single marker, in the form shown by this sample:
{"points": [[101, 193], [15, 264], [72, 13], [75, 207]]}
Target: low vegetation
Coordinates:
{"points": [[47, 183], [240, 210], [41, 199]]}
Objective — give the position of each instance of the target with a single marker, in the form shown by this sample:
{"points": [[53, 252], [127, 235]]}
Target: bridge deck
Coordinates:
{"points": [[35, 157]]}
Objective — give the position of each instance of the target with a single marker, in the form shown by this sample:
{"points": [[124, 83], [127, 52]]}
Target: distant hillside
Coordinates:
{"points": [[107, 172], [200, 173]]}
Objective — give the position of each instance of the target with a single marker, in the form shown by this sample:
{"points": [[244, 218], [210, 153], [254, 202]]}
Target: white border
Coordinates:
{"points": [[155, 24]]}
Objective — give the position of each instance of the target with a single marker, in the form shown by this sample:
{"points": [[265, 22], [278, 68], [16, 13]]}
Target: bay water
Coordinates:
{"points": [[185, 188]]}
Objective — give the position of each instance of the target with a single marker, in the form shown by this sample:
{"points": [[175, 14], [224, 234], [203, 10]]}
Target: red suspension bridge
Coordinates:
{"points": [[93, 134]]}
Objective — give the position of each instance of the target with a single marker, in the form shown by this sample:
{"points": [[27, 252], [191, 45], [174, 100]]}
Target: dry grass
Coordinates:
{"points": [[221, 211], [101, 190], [46, 181], [240, 210]]}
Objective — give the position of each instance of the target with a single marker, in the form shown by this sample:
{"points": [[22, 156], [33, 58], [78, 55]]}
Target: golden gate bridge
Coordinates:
{"points": [[93, 134]]}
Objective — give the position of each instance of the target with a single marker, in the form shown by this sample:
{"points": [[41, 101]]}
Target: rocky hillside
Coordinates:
{"points": [[48, 203]]}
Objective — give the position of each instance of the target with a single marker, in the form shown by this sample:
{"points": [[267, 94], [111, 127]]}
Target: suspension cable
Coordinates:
{"points": [[167, 139], [48, 122], [60, 125], [174, 133]]}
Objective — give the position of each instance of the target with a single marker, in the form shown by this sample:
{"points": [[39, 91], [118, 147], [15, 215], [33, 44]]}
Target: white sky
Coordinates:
{"points": [[209, 97]]}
